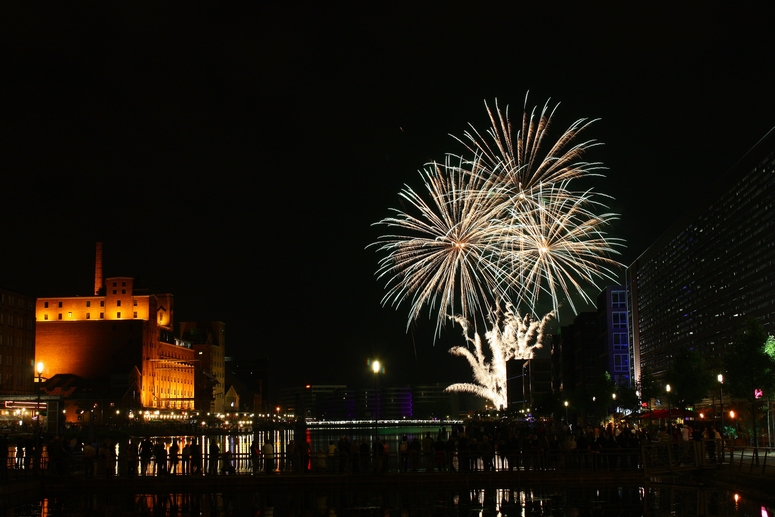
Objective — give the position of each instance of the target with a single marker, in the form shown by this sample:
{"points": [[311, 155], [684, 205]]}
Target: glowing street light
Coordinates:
{"points": [[669, 415], [720, 379], [566, 413], [377, 368]]}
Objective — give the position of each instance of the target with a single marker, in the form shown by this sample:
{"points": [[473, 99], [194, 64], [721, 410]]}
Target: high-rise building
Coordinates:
{"points": [[17, 343], [714, 267]]}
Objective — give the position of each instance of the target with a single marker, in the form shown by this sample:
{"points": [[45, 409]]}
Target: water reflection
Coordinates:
{"points": [[177, 450], [385, 502]]}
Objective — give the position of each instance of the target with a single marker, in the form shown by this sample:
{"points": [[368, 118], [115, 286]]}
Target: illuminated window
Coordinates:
{"points": [[69, 314], [619, 320]]}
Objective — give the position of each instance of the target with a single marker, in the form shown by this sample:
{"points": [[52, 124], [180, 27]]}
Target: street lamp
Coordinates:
{"points": [[39, 371], [566, 413], [613, 396], [38, 442], [721, 413], [377, 368], [669, 419]]}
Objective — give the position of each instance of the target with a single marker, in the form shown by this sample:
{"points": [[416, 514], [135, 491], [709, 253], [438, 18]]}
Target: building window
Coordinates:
{"points": [[618, 299], [135, 315], [59, 316], [45, 305], [123, 284], [114, 284], [69, 314], [114, 291], [118, 303], [60, 305], [118, 315], [620, 341], [88, 303], [102, 315], [102, 303], [135, 303], [619, 320], [123, 291], [621, 363], [88, 315]]}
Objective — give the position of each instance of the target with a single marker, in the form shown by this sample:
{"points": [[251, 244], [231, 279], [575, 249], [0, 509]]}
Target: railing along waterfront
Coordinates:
{"points": [[316, 463], [651, 458]]}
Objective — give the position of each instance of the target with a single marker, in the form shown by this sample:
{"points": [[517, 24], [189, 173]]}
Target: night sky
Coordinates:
{"points": [[237, 156]]}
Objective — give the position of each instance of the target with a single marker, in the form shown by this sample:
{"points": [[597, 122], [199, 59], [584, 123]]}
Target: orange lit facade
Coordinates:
{"points": [[113, 332]]}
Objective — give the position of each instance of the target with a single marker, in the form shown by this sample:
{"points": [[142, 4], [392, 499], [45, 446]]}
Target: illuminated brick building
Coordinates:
{"points": [[17, 343], [109, 335]]}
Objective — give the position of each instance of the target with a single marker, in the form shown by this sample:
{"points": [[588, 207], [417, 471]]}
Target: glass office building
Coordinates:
{"points": [[712, 269]]}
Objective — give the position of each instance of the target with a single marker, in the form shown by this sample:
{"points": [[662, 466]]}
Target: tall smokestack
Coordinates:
{"points": [[98, 269]]}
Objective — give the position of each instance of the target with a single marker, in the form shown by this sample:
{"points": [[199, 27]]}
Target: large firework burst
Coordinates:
{"points": [[502, 226], [445, 256]]}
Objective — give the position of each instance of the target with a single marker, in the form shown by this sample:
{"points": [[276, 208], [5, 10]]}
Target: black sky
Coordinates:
{"points": [[236, 156]]}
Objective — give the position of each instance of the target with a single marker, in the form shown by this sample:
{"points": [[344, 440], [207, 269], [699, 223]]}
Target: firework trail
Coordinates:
{"points": [[501, 226]]}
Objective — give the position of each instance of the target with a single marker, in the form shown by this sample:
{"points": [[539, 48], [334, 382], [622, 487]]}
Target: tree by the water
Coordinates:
{"points": [[750, 366], [689, 378]]}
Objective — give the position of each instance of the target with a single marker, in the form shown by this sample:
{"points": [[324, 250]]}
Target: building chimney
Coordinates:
{"points": [[98, 270]]}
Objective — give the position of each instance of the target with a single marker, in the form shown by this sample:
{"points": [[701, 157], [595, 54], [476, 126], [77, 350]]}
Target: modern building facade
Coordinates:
{"points": [[713, 268], [17, 343], [612, 326]]}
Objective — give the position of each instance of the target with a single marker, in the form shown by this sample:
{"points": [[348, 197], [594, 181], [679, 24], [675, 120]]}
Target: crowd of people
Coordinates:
{"points": [[478, 446]]}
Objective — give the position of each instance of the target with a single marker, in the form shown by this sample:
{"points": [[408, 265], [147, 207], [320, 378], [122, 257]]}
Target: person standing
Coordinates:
{"points": [[331, 454], [196, 458], [88, 460], [268, 451], [185, 457], [427, 452], [255, 456], [174, 455], [212, 458], [146, 451]]}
